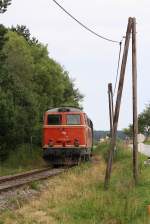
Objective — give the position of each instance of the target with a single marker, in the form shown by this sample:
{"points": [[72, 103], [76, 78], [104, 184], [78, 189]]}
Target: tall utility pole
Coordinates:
{"points": [[111, 109], [118, 103], [135, 116]]}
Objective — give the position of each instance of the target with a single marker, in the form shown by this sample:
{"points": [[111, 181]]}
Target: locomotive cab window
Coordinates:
{"points": [[54, 119], [73, 119]]}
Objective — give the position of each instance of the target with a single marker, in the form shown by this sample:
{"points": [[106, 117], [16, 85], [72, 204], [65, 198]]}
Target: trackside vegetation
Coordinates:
{"points": [[78, 197], [22, 159], [31, 82], [147, 142]]}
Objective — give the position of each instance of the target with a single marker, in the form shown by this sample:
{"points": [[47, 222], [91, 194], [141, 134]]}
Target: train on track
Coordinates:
{"points": [[67, 136]]}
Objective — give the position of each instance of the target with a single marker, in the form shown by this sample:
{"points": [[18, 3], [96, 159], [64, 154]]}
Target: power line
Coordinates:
{"points": [[98, 35], [84, 26], [120, 48]]}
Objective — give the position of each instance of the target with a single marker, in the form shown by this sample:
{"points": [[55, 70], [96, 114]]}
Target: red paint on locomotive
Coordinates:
{"points": [[67, 132]]}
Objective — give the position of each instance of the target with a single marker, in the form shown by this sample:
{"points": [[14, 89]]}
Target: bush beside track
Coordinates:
{"points": [[77, 196], [22, 159]]}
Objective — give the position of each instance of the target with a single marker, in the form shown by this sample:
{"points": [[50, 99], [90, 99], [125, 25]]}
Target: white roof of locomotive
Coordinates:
{"points": [[71, 109]]}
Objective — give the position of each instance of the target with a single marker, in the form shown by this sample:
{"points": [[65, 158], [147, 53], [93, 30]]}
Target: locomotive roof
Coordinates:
{"points": [[65, 109]]}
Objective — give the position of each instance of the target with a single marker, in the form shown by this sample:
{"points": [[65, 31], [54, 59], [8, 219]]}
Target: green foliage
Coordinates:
{"points": [[3, 5], [147, 142], [3, 38], [119, 153], [143, 123], [24, 31], [102, 149], [23, 158], [128, 131], [30, 83], [35, 185]]}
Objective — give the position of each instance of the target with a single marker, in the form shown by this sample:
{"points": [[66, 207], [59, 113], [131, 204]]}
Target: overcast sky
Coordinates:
{"points": [[91, 61]]}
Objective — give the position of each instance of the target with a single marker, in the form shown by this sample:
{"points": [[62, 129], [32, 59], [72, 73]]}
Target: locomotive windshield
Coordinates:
{"points": [[73, 119], [54, 119]]}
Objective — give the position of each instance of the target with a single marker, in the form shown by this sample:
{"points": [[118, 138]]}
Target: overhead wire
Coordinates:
{"points": [[118, 66], [84, 26], [98, 35]]}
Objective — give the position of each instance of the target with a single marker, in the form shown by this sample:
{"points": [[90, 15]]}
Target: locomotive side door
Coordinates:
{"points": [[89, 135]]}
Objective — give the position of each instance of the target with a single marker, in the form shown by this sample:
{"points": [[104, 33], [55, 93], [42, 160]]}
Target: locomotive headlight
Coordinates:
{"points": [[76, 143], [45, 146], [51, 143]]}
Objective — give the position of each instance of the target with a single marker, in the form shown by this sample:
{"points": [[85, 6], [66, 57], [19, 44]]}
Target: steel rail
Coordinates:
{"points": [[14, 181], [19, 175]]}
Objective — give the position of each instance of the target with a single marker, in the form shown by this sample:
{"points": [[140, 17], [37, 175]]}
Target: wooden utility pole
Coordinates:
{"points": [[111, 109], [118, 103], [135, 116]]}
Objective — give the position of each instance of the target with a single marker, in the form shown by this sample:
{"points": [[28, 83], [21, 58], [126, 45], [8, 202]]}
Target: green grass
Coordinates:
{"points": [[23, 159], [123, 203], [34, 185], [147, 142]]}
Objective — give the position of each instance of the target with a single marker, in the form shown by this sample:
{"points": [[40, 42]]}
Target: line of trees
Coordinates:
{"points": [[30, 83]]}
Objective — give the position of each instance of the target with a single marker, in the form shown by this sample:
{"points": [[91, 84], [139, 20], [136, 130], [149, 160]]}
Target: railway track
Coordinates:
{"points": [[14, 181]]}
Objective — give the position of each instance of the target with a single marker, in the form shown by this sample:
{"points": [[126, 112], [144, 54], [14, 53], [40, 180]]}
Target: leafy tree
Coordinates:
{"points": [[128, 131], [22, 30], [30, 83], [3, 38], [143, 123], [17, 81], [3, 5]]}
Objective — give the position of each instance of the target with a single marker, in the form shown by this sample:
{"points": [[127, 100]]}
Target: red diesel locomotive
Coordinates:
{"points": [[67, 136]]}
